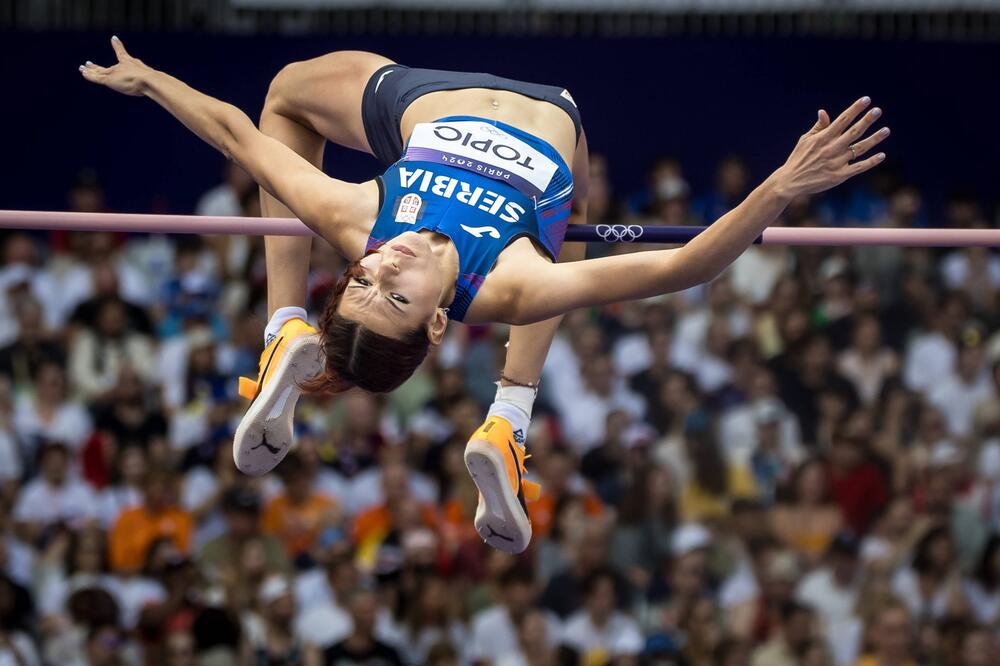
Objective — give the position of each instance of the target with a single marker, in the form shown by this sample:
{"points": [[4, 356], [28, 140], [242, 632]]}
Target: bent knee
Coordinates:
{"points": [[340, 69], [290, 77]]}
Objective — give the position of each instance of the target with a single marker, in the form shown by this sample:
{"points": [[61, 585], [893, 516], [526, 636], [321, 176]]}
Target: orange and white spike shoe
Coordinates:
{"points": [[496, 463], [266, 432]]}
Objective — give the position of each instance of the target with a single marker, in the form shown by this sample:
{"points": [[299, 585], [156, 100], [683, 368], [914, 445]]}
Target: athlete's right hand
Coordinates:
{"points": [[127, 77], [827, 154]]}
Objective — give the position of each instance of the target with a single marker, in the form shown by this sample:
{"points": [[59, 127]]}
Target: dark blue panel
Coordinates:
{"points": [[697, 98]]}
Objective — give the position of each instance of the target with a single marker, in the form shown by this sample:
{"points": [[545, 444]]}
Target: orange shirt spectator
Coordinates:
{"points": [[297, 516], [297, 524], [158, 517], [543, 512], [557, 484], [457, 515], [374, 524]]}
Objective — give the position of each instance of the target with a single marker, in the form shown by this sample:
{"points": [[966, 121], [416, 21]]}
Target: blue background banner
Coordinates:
{"points": [[696, 98]]}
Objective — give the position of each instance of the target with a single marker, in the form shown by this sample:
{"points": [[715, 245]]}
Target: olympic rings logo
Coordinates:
{"points": [[619, 233]]}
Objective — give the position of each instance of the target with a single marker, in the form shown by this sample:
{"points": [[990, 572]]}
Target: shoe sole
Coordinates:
{"points": [[500, 519], [266, 432]]}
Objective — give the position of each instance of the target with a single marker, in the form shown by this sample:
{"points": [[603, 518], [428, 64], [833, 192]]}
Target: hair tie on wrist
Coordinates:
{"points": [[531, 385]]}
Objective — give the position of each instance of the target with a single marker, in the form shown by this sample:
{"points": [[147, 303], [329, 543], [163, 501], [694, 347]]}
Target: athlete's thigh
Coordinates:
{"points": [[325, 94], [581, 190]]}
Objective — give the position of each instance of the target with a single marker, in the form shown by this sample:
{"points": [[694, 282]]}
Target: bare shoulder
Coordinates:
{"points": [[520, 268], [350, 222]]}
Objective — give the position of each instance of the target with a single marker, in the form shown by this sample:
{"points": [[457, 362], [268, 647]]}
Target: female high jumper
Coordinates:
{"points": [[465, 223]]}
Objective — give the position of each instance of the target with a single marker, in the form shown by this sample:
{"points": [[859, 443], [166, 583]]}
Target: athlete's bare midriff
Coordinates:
{"points": [[542, 119]]}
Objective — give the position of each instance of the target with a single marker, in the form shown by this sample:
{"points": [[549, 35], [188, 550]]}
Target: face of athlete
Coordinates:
{"points": [[399, 289]]}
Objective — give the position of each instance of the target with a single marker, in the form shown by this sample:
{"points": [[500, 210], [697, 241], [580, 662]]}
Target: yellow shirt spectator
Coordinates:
{"points": [[699, 504]]}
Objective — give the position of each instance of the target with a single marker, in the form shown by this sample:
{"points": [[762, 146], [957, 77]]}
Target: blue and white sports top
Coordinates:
{"points": [[481, 183]]}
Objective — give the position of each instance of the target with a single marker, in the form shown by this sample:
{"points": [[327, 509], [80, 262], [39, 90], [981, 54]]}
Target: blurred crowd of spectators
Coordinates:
{"points": [[798, 463]]}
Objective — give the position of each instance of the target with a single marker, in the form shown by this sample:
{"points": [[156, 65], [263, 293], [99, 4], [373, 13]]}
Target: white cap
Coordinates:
{"points": [[989, 460], [833, 267], [672, 187], [273, 588], [198, 337], [419, 538], [784, 566], [16, 274], [944, 454], [196, 282], [689, 537], [638, 434], [767, 410], [993, 348]]}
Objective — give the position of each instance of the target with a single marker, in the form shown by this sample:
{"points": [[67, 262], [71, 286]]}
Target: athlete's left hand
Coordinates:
{"points": [[127, 77], [827, 154]]}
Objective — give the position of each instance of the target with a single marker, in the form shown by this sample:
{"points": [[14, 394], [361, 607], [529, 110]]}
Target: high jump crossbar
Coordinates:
{"points": [[599, 233]]}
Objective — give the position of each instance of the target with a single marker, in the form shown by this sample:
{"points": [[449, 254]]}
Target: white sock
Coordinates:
{"points": [[514, 403], [279, 318]]}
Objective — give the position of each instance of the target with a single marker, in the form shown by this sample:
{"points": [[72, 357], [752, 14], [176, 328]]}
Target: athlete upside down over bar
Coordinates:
{"points": [[483, 175]]}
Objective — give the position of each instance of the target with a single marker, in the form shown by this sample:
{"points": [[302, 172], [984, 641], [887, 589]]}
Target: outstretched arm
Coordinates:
{"points": [[821, 160], [326, 205]]}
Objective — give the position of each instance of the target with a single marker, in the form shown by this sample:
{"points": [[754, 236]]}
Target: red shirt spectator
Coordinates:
{"points": [[857, 484]]}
